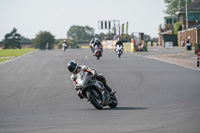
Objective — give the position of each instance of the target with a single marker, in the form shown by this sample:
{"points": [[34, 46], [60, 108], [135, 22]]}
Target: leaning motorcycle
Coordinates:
{"points": [[95, 92], [119, 51], [97, 51], [91, 47]]}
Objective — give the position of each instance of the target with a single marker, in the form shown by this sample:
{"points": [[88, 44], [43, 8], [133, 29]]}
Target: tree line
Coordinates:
{"points": [[75, 35]]}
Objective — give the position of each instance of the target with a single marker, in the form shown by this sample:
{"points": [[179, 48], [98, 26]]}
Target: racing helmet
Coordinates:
{"points": [[72, 66], [96, 40]]}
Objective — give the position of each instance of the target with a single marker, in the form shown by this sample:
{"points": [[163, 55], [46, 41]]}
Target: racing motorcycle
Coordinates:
{"points": [[119, 50], [97, 51], [91, 46], [95, 92], [64, 48]]}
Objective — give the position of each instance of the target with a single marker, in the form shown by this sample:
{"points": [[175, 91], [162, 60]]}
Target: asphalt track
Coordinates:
{"points": [[37, 95]]}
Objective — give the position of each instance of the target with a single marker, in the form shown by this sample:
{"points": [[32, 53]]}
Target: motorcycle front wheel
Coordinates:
{"points": [[119, 55], [95, 99], [98, 55], [114, 102]]}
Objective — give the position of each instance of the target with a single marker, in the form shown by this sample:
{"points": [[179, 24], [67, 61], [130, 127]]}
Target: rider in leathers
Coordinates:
{"points": [[76, 69], [120, 43], [91, 44], [97, 42]]}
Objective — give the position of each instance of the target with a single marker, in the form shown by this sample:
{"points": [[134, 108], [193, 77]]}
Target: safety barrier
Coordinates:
{"points": [[128, 47], [85, 47], [198, 58]]}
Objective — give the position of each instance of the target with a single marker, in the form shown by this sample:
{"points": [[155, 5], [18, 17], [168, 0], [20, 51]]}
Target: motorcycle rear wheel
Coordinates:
{"points": [[96, 101]]}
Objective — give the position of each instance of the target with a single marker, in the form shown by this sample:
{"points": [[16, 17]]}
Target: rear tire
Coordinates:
{"points": [[96, 101]]}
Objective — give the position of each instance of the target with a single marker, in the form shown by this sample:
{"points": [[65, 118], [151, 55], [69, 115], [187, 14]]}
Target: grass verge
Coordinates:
{"points": [[4, 59], [14, 52]]}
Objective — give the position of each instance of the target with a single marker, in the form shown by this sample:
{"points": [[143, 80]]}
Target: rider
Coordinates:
{"points": [[119, 42], [98, 43], [64, 45], [74, 68], [92, 45]]}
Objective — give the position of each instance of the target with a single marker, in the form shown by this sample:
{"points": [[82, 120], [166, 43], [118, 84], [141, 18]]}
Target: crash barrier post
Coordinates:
{"points": [[198, 58]]}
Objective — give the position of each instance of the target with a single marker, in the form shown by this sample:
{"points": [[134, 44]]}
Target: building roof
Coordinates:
{"points": [[194, 6], [175, 16]]}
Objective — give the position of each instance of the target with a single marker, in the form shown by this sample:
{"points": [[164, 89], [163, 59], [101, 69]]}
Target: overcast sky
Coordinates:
{"points": [[30, 17]]}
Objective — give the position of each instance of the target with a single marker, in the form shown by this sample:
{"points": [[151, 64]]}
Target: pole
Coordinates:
{"points": [[198, 58], [186, 15], [114, 28]]}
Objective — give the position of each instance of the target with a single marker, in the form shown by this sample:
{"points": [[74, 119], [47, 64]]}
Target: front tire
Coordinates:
{"points": [[96, 101], [114, 102], [119, 55], [98, 55]]}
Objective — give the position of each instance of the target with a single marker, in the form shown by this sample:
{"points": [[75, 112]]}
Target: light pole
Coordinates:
{"points": [[186, 14]]}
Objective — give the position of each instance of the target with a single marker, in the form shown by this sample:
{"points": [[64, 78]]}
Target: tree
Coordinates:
{"points": [[101, 36], [42, 38], [12, 39], [177, 27], [155, 39], [80, 33], [25, 41], [173, 5]]}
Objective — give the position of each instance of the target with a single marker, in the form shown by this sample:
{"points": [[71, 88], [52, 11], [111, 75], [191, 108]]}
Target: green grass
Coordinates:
{"points": [[14, 52], [4, 59]]}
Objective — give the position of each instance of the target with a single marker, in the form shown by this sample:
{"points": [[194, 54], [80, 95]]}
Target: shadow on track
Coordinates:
{"points": [[126, 108]]}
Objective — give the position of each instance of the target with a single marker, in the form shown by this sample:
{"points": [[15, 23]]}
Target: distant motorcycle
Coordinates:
{"points": [[95, 92], [64, 48], [91, 46], [119, 50], [98, 51]]}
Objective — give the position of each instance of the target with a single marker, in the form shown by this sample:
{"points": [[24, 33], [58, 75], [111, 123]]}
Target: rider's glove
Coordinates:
{"points": [[94, 74]]}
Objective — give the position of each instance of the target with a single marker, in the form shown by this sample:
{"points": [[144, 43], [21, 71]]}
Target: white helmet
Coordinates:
{"points": [[96, 40]]}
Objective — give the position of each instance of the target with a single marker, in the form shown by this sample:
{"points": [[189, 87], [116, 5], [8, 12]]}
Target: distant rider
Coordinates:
{"points": [[64, 45], [77, 70], [119, 43], [98, 43], [92, 45]]}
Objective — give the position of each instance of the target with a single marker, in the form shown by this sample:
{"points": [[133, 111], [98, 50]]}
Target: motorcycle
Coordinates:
{"points": [[64, 48], [91, 47], [119, 50], [97, 51], [95, 92]]}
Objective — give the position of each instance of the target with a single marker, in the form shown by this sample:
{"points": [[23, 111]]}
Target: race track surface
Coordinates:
{"points": [[38, 96]]}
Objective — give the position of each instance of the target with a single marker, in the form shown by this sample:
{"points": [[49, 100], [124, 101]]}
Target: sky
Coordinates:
{"points": [[30, 17]]}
